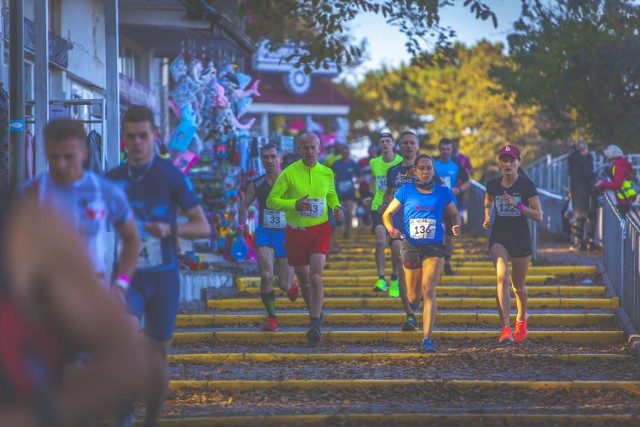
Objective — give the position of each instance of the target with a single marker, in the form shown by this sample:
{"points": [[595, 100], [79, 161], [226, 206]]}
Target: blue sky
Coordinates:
{"points": [[386, 43]]}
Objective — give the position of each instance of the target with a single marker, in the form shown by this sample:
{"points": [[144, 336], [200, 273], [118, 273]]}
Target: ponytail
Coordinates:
{"points": [[523, 173]]}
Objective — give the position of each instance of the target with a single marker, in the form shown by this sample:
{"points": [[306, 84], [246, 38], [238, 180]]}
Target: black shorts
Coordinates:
{"points": [[448, 224], [349, 196], [412, 256], [391, 240], [376, 220], [518, 245]]}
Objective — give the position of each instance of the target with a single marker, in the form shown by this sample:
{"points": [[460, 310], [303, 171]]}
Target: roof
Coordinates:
{"points": [[274, 91]]}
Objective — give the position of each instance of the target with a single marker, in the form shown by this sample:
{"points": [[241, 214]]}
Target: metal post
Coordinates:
{"points": [[41, 80], [17, 167], [112, 140]]}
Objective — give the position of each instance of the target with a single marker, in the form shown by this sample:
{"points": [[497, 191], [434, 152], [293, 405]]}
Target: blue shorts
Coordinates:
{"points": [[271, 238], [156, 294]]}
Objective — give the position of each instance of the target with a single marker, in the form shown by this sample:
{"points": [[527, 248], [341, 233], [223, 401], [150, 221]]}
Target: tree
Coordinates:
{"points": [[579, 61], [321, 26], [458, 92]]}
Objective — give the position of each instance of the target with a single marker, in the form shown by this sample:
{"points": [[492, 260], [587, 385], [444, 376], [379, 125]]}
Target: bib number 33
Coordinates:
{"points": [[423, 228]]}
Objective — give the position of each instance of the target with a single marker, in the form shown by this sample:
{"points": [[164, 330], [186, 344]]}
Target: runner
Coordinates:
{"points": [[379, 167], [156, 189], [269, 236], [365, 184], [422, 249], [456, 178], [89, 202], [397, 176], [515, 198], [303, 190], [346, 171]]}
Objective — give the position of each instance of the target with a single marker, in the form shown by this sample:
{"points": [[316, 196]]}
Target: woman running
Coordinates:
{"points": [[515, 199], [422, 247]]}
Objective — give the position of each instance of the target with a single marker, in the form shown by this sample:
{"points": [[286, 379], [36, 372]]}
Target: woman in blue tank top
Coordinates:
{"points": [[423, 204]]}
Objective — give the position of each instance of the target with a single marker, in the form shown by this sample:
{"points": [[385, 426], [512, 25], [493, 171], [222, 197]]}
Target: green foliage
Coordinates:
{"points": [[579, 61], [459, 93], [322, 26]]}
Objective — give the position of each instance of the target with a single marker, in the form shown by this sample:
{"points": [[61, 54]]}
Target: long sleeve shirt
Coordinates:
{"points": [[298, 180]]}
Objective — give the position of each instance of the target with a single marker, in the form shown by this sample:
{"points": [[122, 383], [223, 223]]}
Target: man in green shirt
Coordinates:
{"points": [[379, 167], [305, 191]]}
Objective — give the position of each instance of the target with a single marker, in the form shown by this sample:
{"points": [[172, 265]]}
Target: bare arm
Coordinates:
{"points": [[197, 226], [455, 218], [393, 206], [249, 198], [130, 248], [534, 211], [488, 206]]}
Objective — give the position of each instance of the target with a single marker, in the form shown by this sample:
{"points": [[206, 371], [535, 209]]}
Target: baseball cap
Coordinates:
{"points": [[510, 150], [385, 133]]}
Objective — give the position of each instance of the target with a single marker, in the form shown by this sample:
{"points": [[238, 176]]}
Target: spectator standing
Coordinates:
{"points": [[581, 176], [620, 179]]}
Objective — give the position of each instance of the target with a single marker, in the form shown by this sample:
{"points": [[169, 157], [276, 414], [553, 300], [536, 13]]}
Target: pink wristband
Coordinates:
{"points": [[123, 282], [521, 206]]}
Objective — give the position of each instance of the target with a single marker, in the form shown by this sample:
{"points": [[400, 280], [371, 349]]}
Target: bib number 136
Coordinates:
{"points": [[423, 228]]}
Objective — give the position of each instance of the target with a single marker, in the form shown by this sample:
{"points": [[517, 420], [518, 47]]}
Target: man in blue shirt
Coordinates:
{"points": [[346, 171], [156, 189], [456, 178]]}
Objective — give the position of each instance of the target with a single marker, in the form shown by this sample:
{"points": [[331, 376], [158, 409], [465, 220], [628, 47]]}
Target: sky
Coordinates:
{"points": [[386, 45]]}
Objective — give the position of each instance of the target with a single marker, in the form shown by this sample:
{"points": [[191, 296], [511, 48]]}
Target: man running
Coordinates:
{"points": [[346, 171], [269, 236], [88, 201], [379, 167], [303, 190], [365, 183], [397, 176], [456, 178], [156, 189]]}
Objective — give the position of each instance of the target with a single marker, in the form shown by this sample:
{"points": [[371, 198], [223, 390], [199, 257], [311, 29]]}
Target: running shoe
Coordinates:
{"points": [[125, 417], [506, 335], [380, 286], [448, 271], [416, 306], [427, 346], [314, 335], [294, 291], [394, 290], [411, 324], [271, 325], [521, 330]]}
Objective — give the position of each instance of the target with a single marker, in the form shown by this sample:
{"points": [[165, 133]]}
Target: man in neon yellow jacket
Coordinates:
{"points": [[305, 191]]}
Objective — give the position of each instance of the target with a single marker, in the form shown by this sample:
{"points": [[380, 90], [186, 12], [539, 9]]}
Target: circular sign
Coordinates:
{"points": [[297, 82]]}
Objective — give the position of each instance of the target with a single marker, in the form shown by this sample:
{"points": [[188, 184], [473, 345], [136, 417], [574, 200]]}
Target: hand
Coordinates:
{"points": [[395, 233], [119, 297], [382, 208], [302, 204], [337, 212], [487, 223], [455, 191], [159, 230], [367, 202], [507, 199], [456, 229]]}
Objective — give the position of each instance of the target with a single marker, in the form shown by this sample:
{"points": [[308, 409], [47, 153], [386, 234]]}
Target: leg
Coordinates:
{"points": [[317, 290], [157, 382], [402, 284], [381, 238], [265, 263], [348, 216], [431, 269], [520, 267], [302, 273], [414, 285], [285, 274], [500, 260]]}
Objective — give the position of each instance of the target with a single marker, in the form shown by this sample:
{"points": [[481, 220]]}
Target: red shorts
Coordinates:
{"points": [[300, 243]]}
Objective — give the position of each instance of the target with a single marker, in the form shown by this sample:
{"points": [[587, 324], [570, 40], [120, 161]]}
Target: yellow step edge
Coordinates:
{"points": [[392, 319], [396, 337], [241, 385], [469, 271], [222, 358], [394, 303], [457, 291]]}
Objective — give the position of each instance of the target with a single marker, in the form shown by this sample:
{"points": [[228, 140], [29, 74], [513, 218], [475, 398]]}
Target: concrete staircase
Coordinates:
{"points": [[573, 369]]}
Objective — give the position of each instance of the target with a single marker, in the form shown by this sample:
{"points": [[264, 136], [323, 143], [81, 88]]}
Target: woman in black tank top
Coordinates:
{"points": [[51, 303]]}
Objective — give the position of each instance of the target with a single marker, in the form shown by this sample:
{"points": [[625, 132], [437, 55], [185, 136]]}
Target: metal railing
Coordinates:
{"points": [[474, 217], [621, 239]]}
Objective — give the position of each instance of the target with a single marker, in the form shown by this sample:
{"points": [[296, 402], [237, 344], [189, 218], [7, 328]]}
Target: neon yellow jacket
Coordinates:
{"points": [[379, 172], [298, 180]]}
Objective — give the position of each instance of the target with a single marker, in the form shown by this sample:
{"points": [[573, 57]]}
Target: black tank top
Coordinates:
{"points": [[31, 360], [267, 218]]}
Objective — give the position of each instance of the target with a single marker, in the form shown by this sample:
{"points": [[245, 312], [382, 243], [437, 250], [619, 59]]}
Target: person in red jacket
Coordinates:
{"points": [[621, 179]]}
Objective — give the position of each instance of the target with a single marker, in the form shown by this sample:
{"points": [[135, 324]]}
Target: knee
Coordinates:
{"points": [[429, 290], [315, 278], [520, 291], [380, 243], [266, 276]]}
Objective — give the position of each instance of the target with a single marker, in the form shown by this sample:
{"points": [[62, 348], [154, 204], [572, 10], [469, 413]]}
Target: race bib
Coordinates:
{"points": [[274, 219], [345, 186], [422, 228], [382, 183], [150, 252], [446, 180], [317, 208], [503, 209]]}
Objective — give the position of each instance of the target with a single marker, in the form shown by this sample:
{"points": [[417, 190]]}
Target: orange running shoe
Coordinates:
{"points": [[294, 291], [506, 335], [271, 325], [521, 329]]}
